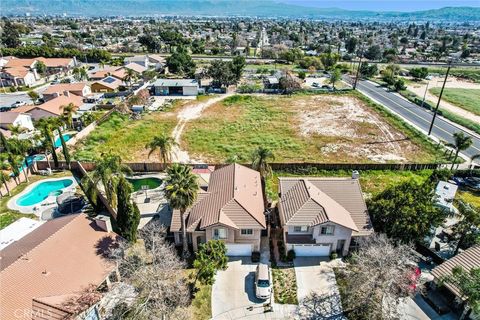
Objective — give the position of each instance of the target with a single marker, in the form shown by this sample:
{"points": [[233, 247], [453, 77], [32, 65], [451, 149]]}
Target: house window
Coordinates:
{"points": [[219, 234], [327, 230], [246, 232], [300, 228]]}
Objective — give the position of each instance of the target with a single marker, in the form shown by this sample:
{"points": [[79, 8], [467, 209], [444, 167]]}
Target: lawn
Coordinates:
{"points": [[330, 128], [284, 285], [372, 181], [201, 305], [126, 137], [8, 216], [469, 197], [468, 99]]}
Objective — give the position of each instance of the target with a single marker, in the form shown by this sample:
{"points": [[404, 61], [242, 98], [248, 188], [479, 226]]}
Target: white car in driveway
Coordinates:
{"points": [[263, 283]]}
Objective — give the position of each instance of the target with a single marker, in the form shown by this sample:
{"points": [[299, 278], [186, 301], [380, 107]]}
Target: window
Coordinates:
{"points": [[246, 232], [300, 228], [219, 234], [327, 230]]}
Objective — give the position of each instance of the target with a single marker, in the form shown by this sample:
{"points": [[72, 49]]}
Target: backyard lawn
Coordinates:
{"points": [[468, 99], [125, 137], [333, 128]]}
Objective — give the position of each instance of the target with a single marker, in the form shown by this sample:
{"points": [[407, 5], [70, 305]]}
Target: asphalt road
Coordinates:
{"points": [[417, 115]]}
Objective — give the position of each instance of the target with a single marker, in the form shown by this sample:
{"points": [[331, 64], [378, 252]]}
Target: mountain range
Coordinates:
{"points": [[250, 8]]}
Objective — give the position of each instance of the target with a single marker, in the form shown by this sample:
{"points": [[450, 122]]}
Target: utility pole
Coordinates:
{"points": [[440, 97], [358, 69]]}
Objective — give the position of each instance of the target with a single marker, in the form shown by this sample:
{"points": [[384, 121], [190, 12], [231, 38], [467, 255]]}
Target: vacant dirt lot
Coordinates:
{"points": [[300, 128]]}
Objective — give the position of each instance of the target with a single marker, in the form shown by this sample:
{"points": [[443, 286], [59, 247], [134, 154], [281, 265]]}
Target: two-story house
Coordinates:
{"points": [[322, 215], [231, 209]]}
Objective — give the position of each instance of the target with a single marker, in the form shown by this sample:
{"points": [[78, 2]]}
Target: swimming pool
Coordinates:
{"points": [[58, 142], [30, 161], [151, 182], [42, 191]]}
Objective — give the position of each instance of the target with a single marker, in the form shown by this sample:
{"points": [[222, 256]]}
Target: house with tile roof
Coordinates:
{"points": [[231, 209], [322, 215], [15, 119], [51, 108], [53, 264], [81, 89], [19, 72]]}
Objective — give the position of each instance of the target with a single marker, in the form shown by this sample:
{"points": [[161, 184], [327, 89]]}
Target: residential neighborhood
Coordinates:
{"points": [[239, 160]]}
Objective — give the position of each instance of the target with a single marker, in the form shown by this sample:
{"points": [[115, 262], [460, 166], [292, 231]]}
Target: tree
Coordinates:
{"points": [[221, 73], [406, 212], [11, 157], [150, 42], [108, 170], [368, 70], [41, 68], [468, 283], [46, 126], [181, 191], [378, 278], [210, 257], [399, 85], [33, 95], [5, 178], [237, 66], [329, 60], [156, 273], [335, 76], [288, 82], [164, 144], [467, 229], [66, 154], [128, 215], [419, 73], [79, 73], [181, 62], [68, 111], [461, 142], [130, 76], [260, 158], [351, 44], [373, 52], [10, 35]]}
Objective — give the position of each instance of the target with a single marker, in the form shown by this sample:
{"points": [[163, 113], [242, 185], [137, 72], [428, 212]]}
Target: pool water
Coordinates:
{"points": [[42, 190], [58, 142], [152, 183]]}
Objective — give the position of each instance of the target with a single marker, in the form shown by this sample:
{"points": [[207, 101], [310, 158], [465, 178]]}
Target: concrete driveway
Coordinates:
{"points": [[317, 290], [234, 287]]}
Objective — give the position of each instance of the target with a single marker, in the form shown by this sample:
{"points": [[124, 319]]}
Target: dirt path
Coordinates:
{"points": [[190, 112], [436, 82]]}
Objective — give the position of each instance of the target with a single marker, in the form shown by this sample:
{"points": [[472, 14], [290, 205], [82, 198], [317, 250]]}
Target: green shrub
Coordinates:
{"points": [[291, 255], [333, 255], [13, 89]]}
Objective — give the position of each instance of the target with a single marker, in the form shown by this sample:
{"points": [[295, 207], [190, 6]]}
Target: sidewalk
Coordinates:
{"points": [[280, 311]]}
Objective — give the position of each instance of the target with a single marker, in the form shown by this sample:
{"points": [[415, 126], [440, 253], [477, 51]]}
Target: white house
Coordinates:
{"points": [[13, 119], [445, 193], [179, 87]]}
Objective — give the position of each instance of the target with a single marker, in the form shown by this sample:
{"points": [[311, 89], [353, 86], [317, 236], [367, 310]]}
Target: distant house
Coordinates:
{"points": [[108, 84], [51, 108], [19, 72], [445, 193], [179, 87], [231, 210], [81, 89], [135, 67], [42, 271], [58, 65], [147, 61], [13, 119], [116, 72], [271, 84], [322, 215]]}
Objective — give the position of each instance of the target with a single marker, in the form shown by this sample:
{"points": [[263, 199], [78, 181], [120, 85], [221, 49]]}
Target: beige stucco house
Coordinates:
{"points": [[231, 209], [322, 215]]}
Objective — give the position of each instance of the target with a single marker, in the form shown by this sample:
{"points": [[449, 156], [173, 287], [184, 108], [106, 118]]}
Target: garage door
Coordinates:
{"points": [[309, 250], [239, 249]]}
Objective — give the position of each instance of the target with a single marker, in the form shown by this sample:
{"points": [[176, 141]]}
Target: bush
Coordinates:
{"points": [[333, 255], [13, 89], [255, 256], [291, 255], [249, 88]]}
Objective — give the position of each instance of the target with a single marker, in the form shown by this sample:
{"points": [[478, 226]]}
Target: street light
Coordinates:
{"points": [[440, 97]]}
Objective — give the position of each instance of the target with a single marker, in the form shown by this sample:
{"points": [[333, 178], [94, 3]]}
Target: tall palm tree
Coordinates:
{"points": [[260, 158], [22, 149], [461, 142], [65, 152], [79, 73], [473, 158], [130, 76], [68, 112], [16, 130], [4, 178], [10, 149], [163, 143], [46, 126], [181, 191], [107, 171]]}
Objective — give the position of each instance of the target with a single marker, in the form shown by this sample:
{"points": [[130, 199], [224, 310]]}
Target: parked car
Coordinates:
{"points": [[5, 109], [315, 85], [19, 104], [263, 283]]}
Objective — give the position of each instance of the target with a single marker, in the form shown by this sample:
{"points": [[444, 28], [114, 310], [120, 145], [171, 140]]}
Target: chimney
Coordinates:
{"points": [[104, 223], [355, 174], [66, 93]]}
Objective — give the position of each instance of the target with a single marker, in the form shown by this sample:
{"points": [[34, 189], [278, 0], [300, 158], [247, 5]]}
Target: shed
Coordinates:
{"points": [[179, 87]]}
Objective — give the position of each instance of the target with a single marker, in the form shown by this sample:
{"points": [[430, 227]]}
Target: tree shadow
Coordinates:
{"points": [[321, 307]]}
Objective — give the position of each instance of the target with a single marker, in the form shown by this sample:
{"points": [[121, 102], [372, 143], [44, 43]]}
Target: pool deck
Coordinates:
{"points": [[49, 202]]}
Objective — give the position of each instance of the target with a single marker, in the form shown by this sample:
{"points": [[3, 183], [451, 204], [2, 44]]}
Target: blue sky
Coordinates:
{"points": [[385, 5]]}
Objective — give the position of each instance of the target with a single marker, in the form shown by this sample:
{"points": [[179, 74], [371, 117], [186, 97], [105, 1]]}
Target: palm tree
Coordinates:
{"points": [[130, 76], [46, 126], [461, 142], [79, 73], [68, 112], [163, 143], [107, 171], [11, 156], [181, 191], [102, 63], [16, 130], [472, 159], [4, 178], [33, 95], [22, 149], [66, 154], [260, 159]]}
